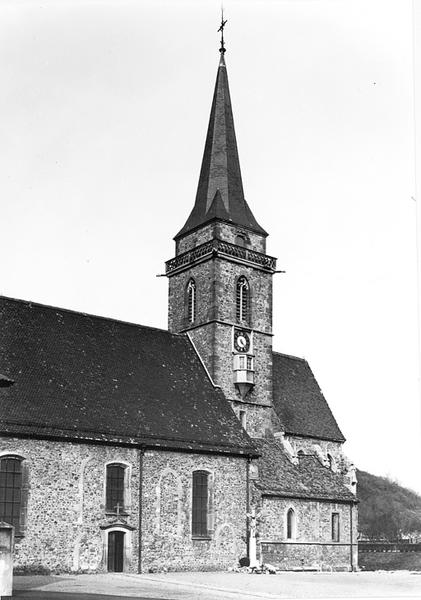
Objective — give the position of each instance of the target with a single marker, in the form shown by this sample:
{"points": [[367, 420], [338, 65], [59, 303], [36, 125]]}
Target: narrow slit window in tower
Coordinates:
{"points": [[243, 299], [191, 301]]}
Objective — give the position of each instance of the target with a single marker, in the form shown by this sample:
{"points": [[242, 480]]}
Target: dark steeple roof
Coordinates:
{"points": [[220, 192]]}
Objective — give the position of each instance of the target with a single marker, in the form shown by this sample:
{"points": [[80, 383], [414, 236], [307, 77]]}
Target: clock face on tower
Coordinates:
{"points": [[241, 340]]}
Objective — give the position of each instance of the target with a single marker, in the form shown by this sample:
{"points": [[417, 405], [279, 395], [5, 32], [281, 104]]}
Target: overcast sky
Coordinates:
{"points": [[103, 115]]}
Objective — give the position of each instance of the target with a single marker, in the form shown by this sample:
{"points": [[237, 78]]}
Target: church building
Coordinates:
{"points": [[133, 449]]}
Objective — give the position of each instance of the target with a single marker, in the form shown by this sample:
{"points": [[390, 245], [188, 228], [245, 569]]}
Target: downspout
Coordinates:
{"points": [[139, 565], [248, 503], [351, 536]]}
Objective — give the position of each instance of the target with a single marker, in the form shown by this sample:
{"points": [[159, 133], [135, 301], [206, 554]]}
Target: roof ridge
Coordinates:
{"points": [[290, 356], [85, 314]]}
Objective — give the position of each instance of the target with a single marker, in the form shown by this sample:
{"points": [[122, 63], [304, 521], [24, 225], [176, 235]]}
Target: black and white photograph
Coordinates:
{"points": [[210, 283]]}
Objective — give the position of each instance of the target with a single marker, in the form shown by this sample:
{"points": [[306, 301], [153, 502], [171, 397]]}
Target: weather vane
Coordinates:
{"points": [[221, 29]]}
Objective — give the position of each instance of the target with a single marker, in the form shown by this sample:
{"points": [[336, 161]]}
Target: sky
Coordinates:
{"points": [[103, 116]]}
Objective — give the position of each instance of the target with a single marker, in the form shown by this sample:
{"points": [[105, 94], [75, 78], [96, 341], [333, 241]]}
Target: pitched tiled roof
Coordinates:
{"points": [[278, 476], [220, 192], [299, 402], [84, 377]]}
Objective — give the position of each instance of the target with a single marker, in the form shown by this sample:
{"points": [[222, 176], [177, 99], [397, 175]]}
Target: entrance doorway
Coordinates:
{"points": [[116, 551]]}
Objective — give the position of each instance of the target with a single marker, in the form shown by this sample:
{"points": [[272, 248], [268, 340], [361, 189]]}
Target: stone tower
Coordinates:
{"points": [[220, 281]]}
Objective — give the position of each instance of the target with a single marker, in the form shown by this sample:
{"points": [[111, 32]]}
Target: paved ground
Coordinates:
{"points": [[217, 586]]}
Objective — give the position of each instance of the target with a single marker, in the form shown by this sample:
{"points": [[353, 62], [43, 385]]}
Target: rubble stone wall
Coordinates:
{"points": [[66, 505], [222, 231], [203, 275], [311, 545], [66, 509], [167, 540], [319, 447], [66, 513]]}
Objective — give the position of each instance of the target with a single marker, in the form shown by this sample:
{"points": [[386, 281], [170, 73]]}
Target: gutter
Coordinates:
{"points": [[176, 446], [274, 494], [141, 454]]}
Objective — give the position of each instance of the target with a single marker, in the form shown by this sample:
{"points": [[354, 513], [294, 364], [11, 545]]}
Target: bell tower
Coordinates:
{"points": [[220, 280]]}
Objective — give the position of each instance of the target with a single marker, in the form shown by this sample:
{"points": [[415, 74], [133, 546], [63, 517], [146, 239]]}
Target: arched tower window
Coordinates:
{"points": [[13, 492], [242, 299], [191, 301], [291, 524]]}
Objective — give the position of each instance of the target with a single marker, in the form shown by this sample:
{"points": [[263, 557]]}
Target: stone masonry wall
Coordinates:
{"points": [[223, 231], [229, 233], [196, 238], [258, 419], [166, 513], [66, 505], [323, 449], [203, 274], [260, 282], [312, 545], [215, 292], [214, 344], [216, 281], [319, 447]]}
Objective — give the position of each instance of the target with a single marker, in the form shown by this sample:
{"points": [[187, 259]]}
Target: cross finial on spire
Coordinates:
{"points": [[221, 29]]}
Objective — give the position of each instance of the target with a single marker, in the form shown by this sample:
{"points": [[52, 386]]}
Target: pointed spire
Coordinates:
{"points": [[220, 192]]}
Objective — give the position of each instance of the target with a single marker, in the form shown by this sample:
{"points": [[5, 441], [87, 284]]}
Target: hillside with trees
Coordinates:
{"points": [[387, 510]]}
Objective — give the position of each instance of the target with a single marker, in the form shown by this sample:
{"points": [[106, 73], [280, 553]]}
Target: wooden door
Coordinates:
{"points": [[116, 551]]}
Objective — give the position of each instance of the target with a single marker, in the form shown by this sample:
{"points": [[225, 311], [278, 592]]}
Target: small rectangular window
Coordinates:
{"points": [[335, 527], [243, 418]]}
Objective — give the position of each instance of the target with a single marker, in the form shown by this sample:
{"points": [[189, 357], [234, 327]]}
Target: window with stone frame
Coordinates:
{"points": [[335, 527], [191, 301], [115, 495], [200, 493], [14, 492], [291, 524], [242, 300]]}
